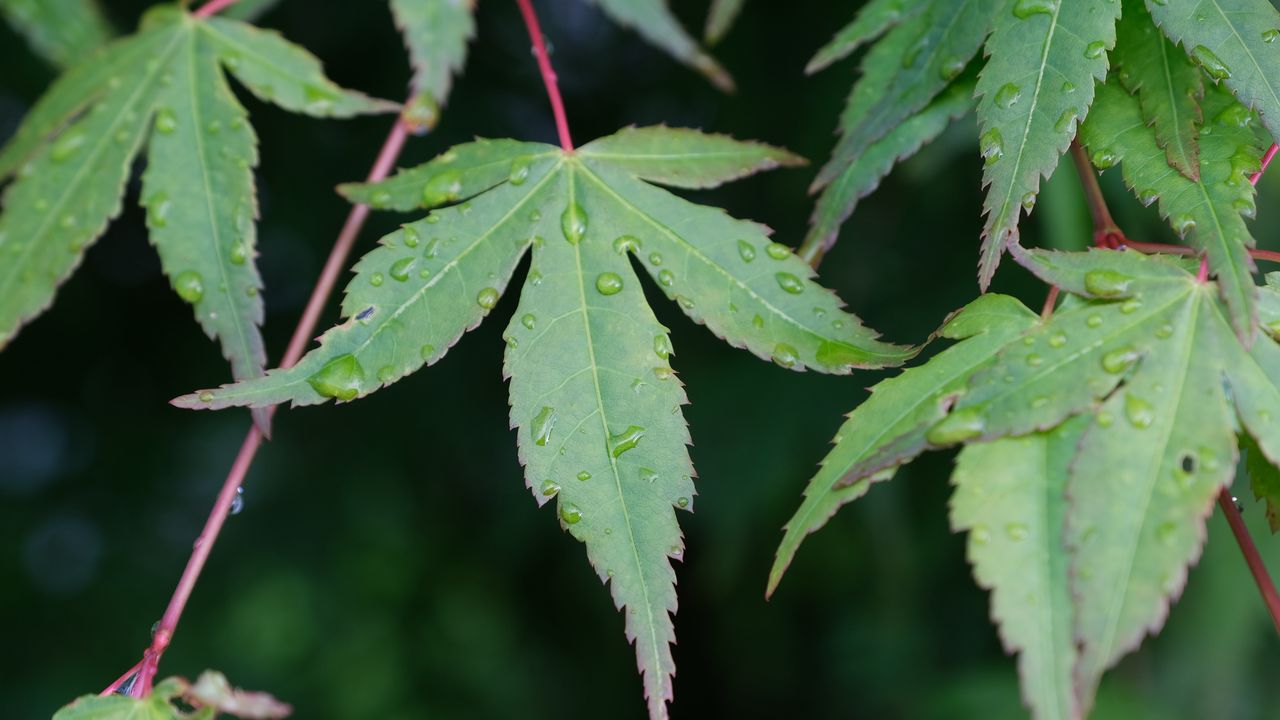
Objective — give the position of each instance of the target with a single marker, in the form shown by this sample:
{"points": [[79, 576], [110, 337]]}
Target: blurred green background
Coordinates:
{"points": [[389, 562]]}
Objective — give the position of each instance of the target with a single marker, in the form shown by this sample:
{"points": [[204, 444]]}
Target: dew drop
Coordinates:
{"points": [[1245, 206], [487, 298], [1165, 331], [237, 502], [1093, 320], [1211, 63], [573, 223], [1095, 49], [666, 278], [662, 346], [66, 146], [1024, 9], [550, 488], [1139, 411], [570, 513], [625, 440], [528, 320], [980, 535], [341, 378], [206, 396], [991, 146], [189, 286], [1130, 306], [386, 374], [1269, 36], [543, 424], [158, 207], [166, 122], [376, 279], [442, 188], [1057, 340], [1008, 95], [1066, 123], [1034, 360], [608, 283], [951, 69], [648, 475], [410, 237], [1104, 158], [626, 243], [401, 269], [1117, 361], [655, 259], [789, 283], [1235, 116], [959, 426], [519, 171], [1167, 532], [785, 355], [1016, 532], [746, 251], [1149, 196], [427, 351], [1106, 283], [1029, 202], [682, 502], [584, 476], [777, 251]]}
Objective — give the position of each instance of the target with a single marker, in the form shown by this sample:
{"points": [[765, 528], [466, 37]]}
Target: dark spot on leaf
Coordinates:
{"points": [[1188, 464], [365, 314]]}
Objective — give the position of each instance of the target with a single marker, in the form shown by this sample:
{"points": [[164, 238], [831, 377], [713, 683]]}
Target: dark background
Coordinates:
{"points": [[390, 563]]}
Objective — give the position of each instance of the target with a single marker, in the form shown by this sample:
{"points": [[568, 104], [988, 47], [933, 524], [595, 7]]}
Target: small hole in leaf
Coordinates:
{"points": [[1188, 464]]}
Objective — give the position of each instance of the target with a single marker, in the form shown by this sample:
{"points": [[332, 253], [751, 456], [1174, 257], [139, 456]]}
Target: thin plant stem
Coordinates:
{"points": [[163, 633], [1251, 556], [548, 73], [1050, 301], [1266, 160], [1105, 231], [212, 7]]}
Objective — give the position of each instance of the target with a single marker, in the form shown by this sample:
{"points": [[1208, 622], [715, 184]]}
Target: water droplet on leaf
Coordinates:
{"points": [[573, 223], [542, 426], [189, 286], [487, 298], [340, 378], [625, 440], [608, 283]]}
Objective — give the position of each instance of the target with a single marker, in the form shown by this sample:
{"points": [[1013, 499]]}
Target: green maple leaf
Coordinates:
{"points": [[1235, 41], [595, 402], [873, 19], [62, 31], [1168, 85], [862, 176], [210, 695], [1037, 84], [163, 86], [436, 33], [720, 18], [1010, 498], [1209, 211], [653, 20], [907, 69], [1137, 365]]}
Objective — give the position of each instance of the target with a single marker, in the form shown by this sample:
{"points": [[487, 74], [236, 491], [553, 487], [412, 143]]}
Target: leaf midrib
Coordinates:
{"points": [[658, 676], [1131, 549], [215, 235]]}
